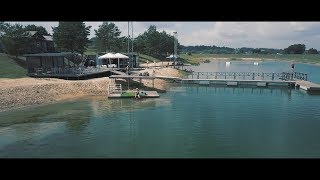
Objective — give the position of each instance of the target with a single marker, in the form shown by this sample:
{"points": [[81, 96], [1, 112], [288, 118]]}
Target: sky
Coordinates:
{"points": [[239, 34]]}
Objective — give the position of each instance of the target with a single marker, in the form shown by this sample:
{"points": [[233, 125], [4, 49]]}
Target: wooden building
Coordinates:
{"points": [[65, 65], [40, 43], [49, 62]]}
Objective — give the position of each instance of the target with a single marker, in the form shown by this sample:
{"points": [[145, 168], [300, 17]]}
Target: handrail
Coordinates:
{"points": [[250, 75]]}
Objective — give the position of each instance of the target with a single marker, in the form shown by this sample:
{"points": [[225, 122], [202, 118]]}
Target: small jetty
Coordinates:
{"points": [[115, 91], [258, 79], [308, 86]]}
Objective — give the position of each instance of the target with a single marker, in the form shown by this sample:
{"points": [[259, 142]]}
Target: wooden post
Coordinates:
{"points": [[252, 76], [153, 82], [198, 75], [272, 76], [128, 84]]}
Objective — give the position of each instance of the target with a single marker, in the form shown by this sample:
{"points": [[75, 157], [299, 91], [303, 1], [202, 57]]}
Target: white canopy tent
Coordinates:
{"points": [[113, 56], [121, 56], [107, 56]]}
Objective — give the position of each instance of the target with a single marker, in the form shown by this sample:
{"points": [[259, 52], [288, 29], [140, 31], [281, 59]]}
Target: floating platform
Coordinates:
{"points": [[131, 94], [308, 86]]}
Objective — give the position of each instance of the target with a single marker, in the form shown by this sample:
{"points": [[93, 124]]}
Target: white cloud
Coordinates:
{"points": [[231, 34]]}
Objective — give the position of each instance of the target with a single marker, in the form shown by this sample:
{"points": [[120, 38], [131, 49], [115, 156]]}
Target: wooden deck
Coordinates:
{"points": [[144, 77], [131, 94], [236, 82], [308, 86]]}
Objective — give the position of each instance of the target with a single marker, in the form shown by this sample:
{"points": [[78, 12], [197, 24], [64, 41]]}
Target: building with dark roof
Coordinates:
{"points": [[40, 43]]}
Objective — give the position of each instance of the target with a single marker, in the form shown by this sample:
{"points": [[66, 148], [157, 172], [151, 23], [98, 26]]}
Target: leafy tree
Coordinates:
{"points": [[312, 51], [257, 50], [15, 39], [108, 37], [155, 43], [41, 30], [71, 36], [295, 49]]}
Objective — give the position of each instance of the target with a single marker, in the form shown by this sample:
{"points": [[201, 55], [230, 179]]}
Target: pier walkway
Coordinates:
{"points": [[260, 79]]}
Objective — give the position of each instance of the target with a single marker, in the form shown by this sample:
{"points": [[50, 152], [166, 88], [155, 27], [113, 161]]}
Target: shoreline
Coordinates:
{"points": [[26, 92], [264, 59]]}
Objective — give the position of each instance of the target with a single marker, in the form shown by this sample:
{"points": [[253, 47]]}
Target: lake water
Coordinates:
{"points": [[188, 121]]}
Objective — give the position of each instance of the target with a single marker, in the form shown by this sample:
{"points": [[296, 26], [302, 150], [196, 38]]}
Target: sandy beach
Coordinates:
{"points": [[22, 92]]}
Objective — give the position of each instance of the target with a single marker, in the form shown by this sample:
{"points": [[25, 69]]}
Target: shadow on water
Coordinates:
{"points": [[73, 110], [75, 113]]}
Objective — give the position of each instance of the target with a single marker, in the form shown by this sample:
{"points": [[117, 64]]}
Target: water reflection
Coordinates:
{"points": [[216, 89]]}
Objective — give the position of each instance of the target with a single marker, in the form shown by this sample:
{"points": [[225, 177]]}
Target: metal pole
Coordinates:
{"points": [[132, 36], [175, 47], [128, 39]]}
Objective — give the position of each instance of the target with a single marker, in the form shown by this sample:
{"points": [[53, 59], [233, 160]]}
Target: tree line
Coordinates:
{"points": [[292, 49], [14, 39], [73, 37]]}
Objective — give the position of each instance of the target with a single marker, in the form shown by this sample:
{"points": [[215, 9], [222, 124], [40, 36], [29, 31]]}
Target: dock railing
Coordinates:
{"points": [[249, 75], [114, 88]]}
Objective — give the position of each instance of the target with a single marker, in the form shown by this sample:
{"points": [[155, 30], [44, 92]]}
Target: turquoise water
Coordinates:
{"points": [[186, 122], [313, 71]]}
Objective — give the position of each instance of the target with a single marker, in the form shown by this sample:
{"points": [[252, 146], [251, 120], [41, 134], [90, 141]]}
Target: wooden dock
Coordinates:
{"points": [[308, 86], [131, 94], [144, 77], [238, 79], [236, 82], [115, 91]]}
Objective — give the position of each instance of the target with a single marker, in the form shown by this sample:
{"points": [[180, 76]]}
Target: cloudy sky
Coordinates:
{"points": [[231, 34]]}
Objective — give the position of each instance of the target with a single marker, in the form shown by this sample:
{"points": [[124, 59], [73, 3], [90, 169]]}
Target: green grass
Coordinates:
{"points": [[144, 58], [127, 94], [10, 69], [90, 51], [302, 58], [200, 58]]}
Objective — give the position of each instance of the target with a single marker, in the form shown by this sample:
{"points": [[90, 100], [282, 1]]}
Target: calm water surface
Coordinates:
{"points": [[187, 121]]}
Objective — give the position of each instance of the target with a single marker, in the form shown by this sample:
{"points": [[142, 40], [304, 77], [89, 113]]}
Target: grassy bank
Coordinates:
{"points": [[302, 58], [144, 58], [9, 68]]}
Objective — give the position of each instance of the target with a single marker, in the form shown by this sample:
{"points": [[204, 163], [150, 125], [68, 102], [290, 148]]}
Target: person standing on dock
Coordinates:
{"points": [[292, 67], [292, 70], [127, 69], [137, 94]]}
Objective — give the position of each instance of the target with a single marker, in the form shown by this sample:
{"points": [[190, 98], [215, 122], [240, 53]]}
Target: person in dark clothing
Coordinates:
{"points": [[137, 94]]}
